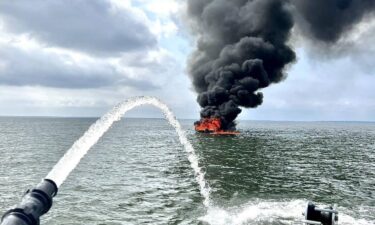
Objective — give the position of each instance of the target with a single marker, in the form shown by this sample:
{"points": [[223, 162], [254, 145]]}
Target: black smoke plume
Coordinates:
{"points": [[241, 48], [329, 20], [242, 45]]}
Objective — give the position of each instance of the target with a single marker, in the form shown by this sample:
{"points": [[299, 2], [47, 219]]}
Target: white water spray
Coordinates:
{"points": [[260, 211], [80, 148], [255, 212]]}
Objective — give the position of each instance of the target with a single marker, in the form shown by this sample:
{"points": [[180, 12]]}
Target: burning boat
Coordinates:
{"points": [[212, 126]]}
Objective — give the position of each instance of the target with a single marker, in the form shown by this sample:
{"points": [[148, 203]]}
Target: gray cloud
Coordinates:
{"points": [[41, 68], [163, 65], [92, 26], [320, 90], [75, 58]]}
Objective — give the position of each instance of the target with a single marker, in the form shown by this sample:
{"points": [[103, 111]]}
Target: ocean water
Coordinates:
{"points": [[138, 172]]}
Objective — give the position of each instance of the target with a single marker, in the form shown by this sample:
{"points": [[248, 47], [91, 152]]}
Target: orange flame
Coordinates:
{"points": [[211, 125]]}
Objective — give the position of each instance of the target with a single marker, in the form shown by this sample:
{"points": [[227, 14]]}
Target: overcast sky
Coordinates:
{"points": [[80, 58]]}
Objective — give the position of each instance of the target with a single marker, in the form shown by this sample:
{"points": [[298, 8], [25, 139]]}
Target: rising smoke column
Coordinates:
{"points": [[241, 48], [328, 20]]}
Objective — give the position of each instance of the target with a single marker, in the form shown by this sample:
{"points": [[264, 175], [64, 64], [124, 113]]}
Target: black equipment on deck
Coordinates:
{"points": [[320, 216], [34, 204]]}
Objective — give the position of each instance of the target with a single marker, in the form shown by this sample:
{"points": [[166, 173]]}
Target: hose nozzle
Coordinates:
{"points": [[34, 204]]}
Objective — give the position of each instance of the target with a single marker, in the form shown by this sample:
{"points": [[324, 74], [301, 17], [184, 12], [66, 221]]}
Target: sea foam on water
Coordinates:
{"points": [[260, 211], [255, 212]]}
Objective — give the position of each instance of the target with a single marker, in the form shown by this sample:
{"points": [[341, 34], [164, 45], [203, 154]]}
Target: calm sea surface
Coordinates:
{"points": [[138, 173]]}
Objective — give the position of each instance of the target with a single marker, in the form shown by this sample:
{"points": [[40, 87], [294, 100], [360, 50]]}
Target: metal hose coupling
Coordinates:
{"points": [[34, 204]]}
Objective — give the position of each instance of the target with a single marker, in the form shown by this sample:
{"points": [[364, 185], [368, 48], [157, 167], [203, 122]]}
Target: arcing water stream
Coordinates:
{"points": [[256, 211], [80, 148]]}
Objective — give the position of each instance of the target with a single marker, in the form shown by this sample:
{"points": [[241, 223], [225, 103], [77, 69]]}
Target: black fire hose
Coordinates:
{"points": [[34, 204]]}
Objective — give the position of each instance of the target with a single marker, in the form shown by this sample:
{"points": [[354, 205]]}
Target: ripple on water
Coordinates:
{"points": [[138, 173]]}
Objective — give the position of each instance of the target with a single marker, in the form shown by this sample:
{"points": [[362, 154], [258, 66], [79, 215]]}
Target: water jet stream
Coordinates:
{"points": [[73, 156]]}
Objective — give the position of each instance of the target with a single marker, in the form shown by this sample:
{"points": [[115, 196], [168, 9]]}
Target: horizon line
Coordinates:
{"points": [[132, 117]]}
